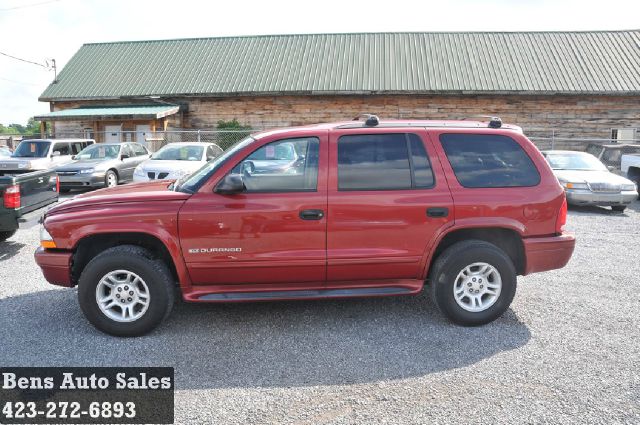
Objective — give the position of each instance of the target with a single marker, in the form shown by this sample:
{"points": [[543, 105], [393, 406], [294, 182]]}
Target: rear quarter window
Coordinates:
{"points": [[489, 160]]}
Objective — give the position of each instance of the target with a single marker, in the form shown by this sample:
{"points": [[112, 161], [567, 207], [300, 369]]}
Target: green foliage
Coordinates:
{"points": [[231, 125], [32, 127]]}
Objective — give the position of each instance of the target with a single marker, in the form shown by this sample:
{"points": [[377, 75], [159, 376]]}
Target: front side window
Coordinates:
{"points": [[489, 160], [288, 165], [383, 162], [63, 148]]}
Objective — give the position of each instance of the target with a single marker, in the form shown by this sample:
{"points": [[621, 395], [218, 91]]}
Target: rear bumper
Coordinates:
{"points": [[55, 265], [548, 253]]}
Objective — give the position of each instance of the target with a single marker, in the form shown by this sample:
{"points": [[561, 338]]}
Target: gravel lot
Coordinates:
{"points": [[567, 351]]}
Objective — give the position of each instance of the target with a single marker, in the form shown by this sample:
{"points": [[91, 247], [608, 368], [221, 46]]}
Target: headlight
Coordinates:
{"points": [[87, 171], [628, 187], [571, 185], [46, 241], [138, 171]]}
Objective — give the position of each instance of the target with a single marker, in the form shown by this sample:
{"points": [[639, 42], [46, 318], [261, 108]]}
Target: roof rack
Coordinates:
{"points": [[371, 120]]}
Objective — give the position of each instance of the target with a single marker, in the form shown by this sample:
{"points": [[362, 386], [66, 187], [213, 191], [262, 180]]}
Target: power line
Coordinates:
{"points": [[19, 82], [24, 60], [27, 5]]}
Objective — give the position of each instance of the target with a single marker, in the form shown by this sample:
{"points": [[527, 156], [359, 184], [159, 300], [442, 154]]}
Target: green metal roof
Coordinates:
{"points": [[107, 112], [600, 62]]}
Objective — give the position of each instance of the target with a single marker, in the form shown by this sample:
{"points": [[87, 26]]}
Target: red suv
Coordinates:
{"points": [[350, 209]]}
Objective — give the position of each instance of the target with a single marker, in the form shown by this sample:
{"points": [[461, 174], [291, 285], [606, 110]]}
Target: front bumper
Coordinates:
{"points": [[548, 253], [55, 265], [587, 197], [81, 180]]}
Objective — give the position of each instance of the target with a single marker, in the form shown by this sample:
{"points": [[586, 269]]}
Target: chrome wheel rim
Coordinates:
{"points": [[477, 287], [122, 296], [112, 180]]}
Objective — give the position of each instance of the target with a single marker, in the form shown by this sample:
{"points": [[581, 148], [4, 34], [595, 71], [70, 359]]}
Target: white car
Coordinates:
{"points": [[176, 160], [43, 154]]}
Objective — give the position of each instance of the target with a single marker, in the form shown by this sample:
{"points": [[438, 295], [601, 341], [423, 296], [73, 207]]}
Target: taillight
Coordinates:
{"points": [[12, 197], [561, 220], [57, 180]]}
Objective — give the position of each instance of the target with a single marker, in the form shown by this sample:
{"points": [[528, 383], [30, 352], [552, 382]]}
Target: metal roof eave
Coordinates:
{"points": [[365, 92], [60, 116]]}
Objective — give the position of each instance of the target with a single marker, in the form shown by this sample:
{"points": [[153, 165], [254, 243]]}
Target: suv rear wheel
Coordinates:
{"points": [[123, 291], [473, 282]]}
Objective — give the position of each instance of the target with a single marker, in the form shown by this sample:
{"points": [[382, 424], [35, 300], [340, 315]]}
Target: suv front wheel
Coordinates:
{"points": [[473, 282], [123, 291]]}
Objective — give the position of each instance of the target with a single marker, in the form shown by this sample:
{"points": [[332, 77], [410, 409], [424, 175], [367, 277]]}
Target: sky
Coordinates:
{"points": [[39, 30]]}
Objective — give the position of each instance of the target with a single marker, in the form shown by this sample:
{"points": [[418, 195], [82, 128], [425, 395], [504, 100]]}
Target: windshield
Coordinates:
{"points": [[575, 161], [99, 152], [179, 153], [195, 180], [32, 149]]}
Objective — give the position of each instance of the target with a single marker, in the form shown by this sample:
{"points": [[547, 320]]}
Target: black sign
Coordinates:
{"points": [[75, 395]]}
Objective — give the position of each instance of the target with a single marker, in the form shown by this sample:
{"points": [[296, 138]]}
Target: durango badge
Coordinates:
{"points": [[211, 250]]}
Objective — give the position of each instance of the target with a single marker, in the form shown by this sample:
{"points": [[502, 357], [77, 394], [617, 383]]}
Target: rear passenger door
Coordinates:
{"points": [[387, 200]]}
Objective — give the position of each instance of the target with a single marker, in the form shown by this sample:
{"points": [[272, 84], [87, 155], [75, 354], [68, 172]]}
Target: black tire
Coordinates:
{"points": [[110, 176], [153, 272], [619, 208], [452, 261], [6, 235]]}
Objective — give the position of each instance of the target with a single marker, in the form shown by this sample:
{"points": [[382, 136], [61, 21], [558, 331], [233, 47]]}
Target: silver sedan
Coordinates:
{"points": [[587, 181], [102, 165]]}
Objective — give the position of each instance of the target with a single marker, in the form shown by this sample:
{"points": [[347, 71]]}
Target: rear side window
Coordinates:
{"points": [[383, 162], [488, 160]]}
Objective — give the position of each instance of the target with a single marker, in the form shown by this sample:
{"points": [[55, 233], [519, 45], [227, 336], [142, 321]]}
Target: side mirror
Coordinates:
{"points": [[124, 156], [230, 185], [73, 157]]}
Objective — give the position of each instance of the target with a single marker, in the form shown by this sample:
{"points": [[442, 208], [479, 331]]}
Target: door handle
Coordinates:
{"points": [[437, 212], [311, 214]]}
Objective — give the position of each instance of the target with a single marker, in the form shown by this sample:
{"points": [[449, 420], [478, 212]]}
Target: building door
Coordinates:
{"points": [[142, 132], [113, 133]]}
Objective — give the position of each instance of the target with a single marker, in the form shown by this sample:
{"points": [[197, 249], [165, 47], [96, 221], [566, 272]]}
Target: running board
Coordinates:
{"points": [[306, 294]]}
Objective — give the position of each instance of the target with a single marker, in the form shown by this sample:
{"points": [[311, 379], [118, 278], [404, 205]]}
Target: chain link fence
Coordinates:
{"points": [[609, 151]]}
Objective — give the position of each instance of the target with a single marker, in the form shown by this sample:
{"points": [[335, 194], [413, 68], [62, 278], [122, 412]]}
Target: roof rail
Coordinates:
{"points": [[371, 120], [494, 122]]}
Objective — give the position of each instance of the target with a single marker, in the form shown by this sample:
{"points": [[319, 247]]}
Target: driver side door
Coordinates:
{"points": [[274, 232]]}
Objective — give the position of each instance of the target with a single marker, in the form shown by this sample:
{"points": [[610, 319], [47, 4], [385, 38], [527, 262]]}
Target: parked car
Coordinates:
{"points": [[373, 209], [24, 195], [5, 152], [631, 167], [587, 181], [611, 154], [176, 160], [102, 165], [43, 154]]}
